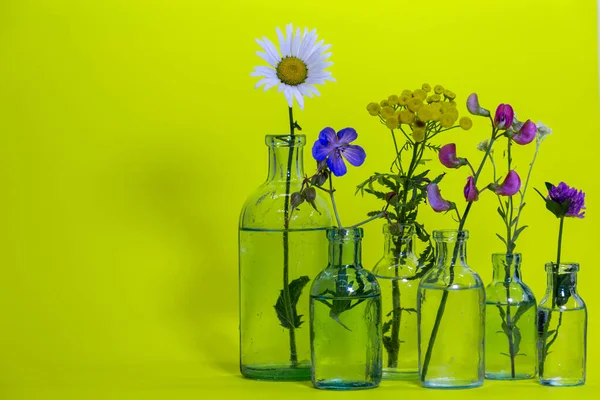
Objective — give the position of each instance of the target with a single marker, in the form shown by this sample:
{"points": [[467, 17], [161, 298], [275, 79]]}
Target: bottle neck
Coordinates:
{"points": [[399, 241], [562, 281], [507, 267], [286, 157], [451, 248], [345, 247]]}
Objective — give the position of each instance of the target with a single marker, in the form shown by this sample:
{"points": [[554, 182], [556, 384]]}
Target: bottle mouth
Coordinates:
{"points": [[564, 268], [507, 256], [285, 140], [447, 235], [340, 235]]}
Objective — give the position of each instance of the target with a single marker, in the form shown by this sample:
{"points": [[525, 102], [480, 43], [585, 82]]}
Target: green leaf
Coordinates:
{"points": [[554, 208], [373, 213], [287, 314], [386, 327], [518, 232], [376, 193], [523, 308], [540, 193], [549, 186], [501, 238], [501, 213], [516, 339]]}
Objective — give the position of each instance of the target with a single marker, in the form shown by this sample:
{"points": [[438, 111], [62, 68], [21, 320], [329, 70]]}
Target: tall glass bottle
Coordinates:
{"points": [[451, 317], [280, 251], [510, 328], [562, 329], [345, 318], [398, 273]]}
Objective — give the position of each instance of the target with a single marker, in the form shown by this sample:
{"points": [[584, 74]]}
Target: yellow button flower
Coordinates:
{"points": [[387, 112], [402, 100], [407, 93], [426, 87], [438, 89], [453, 112], [393, 100], [373, 109], [407, 117], [466, 123], [420, 94], [449, 94], [447, 120], [425, 113], [384, 103], [414, 104], [418, 134], [391, 122]]}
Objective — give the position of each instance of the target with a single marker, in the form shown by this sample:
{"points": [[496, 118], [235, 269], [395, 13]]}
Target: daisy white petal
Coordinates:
{"points": [[296, 43], [299, 97], [271, 49], [267, 57], [263, 71], [287, 92], [295, 66]]}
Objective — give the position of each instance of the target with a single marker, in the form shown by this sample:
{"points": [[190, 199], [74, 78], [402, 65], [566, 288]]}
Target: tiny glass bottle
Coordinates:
{"points": [[451, 317], [510, 322], [345, 318], [562, 329], [398, 273]]}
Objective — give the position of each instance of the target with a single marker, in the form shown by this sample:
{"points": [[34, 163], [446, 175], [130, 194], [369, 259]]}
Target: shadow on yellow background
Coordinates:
{"points": [[130, 134]]}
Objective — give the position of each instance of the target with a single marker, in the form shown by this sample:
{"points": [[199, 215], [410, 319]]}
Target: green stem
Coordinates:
{"points": [[522, 202], [286, 247], [381, 214], [397, 161], [444, 300], [556, 267], [335, 211]]}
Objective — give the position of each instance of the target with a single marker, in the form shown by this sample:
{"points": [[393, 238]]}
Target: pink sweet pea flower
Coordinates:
{"points": [[471, 190], [474, 107], [504, 116], [435, 200], [448, 157], [510, 186], [526, 134]]}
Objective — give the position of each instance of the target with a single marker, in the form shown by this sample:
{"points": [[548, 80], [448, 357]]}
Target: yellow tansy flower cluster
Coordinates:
{"points": [[424, 112]]}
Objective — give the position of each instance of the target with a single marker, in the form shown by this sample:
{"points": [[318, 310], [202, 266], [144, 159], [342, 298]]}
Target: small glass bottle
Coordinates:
{"points": [[280, 251], [510, 327], [562, 329], [345, 318], [451, 317], [398, 273]]}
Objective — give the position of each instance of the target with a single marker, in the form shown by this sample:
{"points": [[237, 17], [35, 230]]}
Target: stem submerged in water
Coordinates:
{"points": [[286, 246], [444, 300]]}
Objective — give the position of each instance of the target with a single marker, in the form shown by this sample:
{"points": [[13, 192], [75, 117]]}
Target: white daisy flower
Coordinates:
{"points": [[296, 66]]}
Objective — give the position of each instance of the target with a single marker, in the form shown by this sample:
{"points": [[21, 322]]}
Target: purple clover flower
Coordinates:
{"points": [[335, 148], [561, 193]]}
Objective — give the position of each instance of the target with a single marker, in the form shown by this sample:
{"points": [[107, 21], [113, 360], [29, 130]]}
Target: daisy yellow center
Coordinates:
{"points": [[292, 71]]}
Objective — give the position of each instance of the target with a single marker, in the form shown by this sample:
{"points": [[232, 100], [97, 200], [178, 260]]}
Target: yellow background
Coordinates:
{"points": [[130, 135]]}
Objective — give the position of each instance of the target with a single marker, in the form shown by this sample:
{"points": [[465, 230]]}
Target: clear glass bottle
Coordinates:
{"points": [[510, 322], [398, 273], [280, 251], [345, 318], [451, 317], [562, 329]]}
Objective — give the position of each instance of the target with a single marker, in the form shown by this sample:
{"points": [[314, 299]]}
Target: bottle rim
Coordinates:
{"points": [[286, 140], [564, 268], [339, 235]]}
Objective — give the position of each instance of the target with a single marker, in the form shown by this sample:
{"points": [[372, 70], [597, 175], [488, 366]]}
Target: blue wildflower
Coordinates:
{"points": [[335, 148]]}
